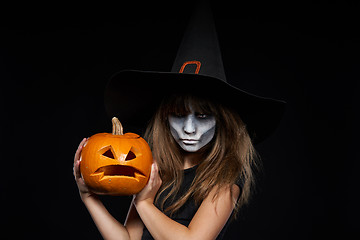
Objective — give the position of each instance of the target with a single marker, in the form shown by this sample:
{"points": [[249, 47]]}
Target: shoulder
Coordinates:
{"points": [[223, 197], [214, 211]]}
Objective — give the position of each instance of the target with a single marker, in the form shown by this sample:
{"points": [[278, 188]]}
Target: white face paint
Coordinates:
{"points": [[192, 131]]}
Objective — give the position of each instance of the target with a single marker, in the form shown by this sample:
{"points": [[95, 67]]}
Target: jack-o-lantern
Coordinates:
{"points": [[117, 163]]}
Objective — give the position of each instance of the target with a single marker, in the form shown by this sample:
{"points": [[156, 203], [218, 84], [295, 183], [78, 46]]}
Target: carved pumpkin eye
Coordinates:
{"points": [[109, 154], [131, 155]]}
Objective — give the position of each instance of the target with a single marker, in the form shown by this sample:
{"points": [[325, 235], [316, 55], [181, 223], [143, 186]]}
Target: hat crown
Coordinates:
{"points": [[199, 51], [198, 64]]}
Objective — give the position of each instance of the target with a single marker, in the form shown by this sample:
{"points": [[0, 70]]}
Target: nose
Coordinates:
{"points": [[189, 125]]}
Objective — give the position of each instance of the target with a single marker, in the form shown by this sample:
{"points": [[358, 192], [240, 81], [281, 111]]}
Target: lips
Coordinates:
{"points": [[189, 141], [118, 170]]}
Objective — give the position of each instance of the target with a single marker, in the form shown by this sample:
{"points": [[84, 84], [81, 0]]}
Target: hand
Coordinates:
{"points": [[83, 189], [149, 191]]}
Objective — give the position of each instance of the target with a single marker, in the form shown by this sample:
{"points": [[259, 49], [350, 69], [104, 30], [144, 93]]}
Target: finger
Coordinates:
{"points": [[158, 178], [152, 174], [156, 167], [75, 169], [81, 181], [78, 151], [157, 170], [83, 142], [77, 172]]}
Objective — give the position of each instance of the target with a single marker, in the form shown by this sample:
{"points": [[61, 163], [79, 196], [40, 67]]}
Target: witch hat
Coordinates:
{"points": [[133, 96]]}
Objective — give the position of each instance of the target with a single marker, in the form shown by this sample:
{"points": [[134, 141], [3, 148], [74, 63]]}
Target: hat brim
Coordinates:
{"points": [[133, 96]]}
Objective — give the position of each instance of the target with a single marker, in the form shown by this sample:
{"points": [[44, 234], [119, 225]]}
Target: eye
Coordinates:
{"points": [[177, 115], [202, 115]]}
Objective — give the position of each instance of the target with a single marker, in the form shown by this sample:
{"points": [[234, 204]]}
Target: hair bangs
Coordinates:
{"points": [[184, 104]]}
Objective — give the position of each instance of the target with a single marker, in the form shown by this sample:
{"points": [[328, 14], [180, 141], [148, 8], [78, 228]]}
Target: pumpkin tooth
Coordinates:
{"points": [[139, 175], [100, 175]]}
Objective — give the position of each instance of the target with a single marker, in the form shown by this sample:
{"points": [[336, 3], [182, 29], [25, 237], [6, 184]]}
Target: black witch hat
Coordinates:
{"points": [[133, 96]]}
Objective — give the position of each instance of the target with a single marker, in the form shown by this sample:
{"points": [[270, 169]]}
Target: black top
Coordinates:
{"points": [[188, 210]]}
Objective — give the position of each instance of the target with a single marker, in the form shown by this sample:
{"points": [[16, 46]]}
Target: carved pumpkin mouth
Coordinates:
{"points": [[119, 170]]}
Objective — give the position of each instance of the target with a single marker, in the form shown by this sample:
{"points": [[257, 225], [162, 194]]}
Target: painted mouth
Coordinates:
{"points": [[119, 170], [189, 141]]}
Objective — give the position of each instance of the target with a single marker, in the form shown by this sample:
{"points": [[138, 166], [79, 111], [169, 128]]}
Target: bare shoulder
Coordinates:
{"points": [[213, 213]]}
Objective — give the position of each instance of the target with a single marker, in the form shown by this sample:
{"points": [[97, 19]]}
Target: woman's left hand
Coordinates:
{"points": [[149, 191]]}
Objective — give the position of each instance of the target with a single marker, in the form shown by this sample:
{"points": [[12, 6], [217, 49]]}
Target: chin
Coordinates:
{"points": [[190, 149]]}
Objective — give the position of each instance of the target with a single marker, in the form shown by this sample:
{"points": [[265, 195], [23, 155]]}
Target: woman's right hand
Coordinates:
{"points": [[83, 189]]}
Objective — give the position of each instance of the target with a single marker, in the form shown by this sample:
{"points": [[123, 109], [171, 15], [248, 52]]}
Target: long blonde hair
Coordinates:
{"points": [[230, 155]]}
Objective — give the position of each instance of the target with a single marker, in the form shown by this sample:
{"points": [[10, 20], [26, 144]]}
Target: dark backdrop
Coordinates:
{"points": [[55, 62]]}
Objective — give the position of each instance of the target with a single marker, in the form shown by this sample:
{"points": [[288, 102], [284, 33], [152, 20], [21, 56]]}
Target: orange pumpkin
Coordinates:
{"points": [[117, 163]]}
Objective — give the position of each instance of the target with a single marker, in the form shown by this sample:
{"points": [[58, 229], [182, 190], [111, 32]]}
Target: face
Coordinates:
{"points": [[192, 131]]}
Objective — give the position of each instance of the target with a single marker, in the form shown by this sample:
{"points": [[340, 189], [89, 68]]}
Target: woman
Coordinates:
{"points": [[202, 150], [201, 137]]}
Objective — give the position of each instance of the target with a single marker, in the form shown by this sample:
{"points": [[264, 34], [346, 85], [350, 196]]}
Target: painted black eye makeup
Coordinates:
{"points": [[177, 115], [198, 115], [202, 115]]}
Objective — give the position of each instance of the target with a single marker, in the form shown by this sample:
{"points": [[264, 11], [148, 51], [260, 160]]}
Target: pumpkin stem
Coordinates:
{"points": [[117, 128]]}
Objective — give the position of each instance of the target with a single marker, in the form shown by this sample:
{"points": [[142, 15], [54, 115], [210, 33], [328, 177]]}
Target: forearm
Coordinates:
{"points": [[107, 225], [159, 225]]}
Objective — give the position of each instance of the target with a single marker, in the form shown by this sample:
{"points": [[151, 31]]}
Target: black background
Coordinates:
{"points": [[55, 61]]}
